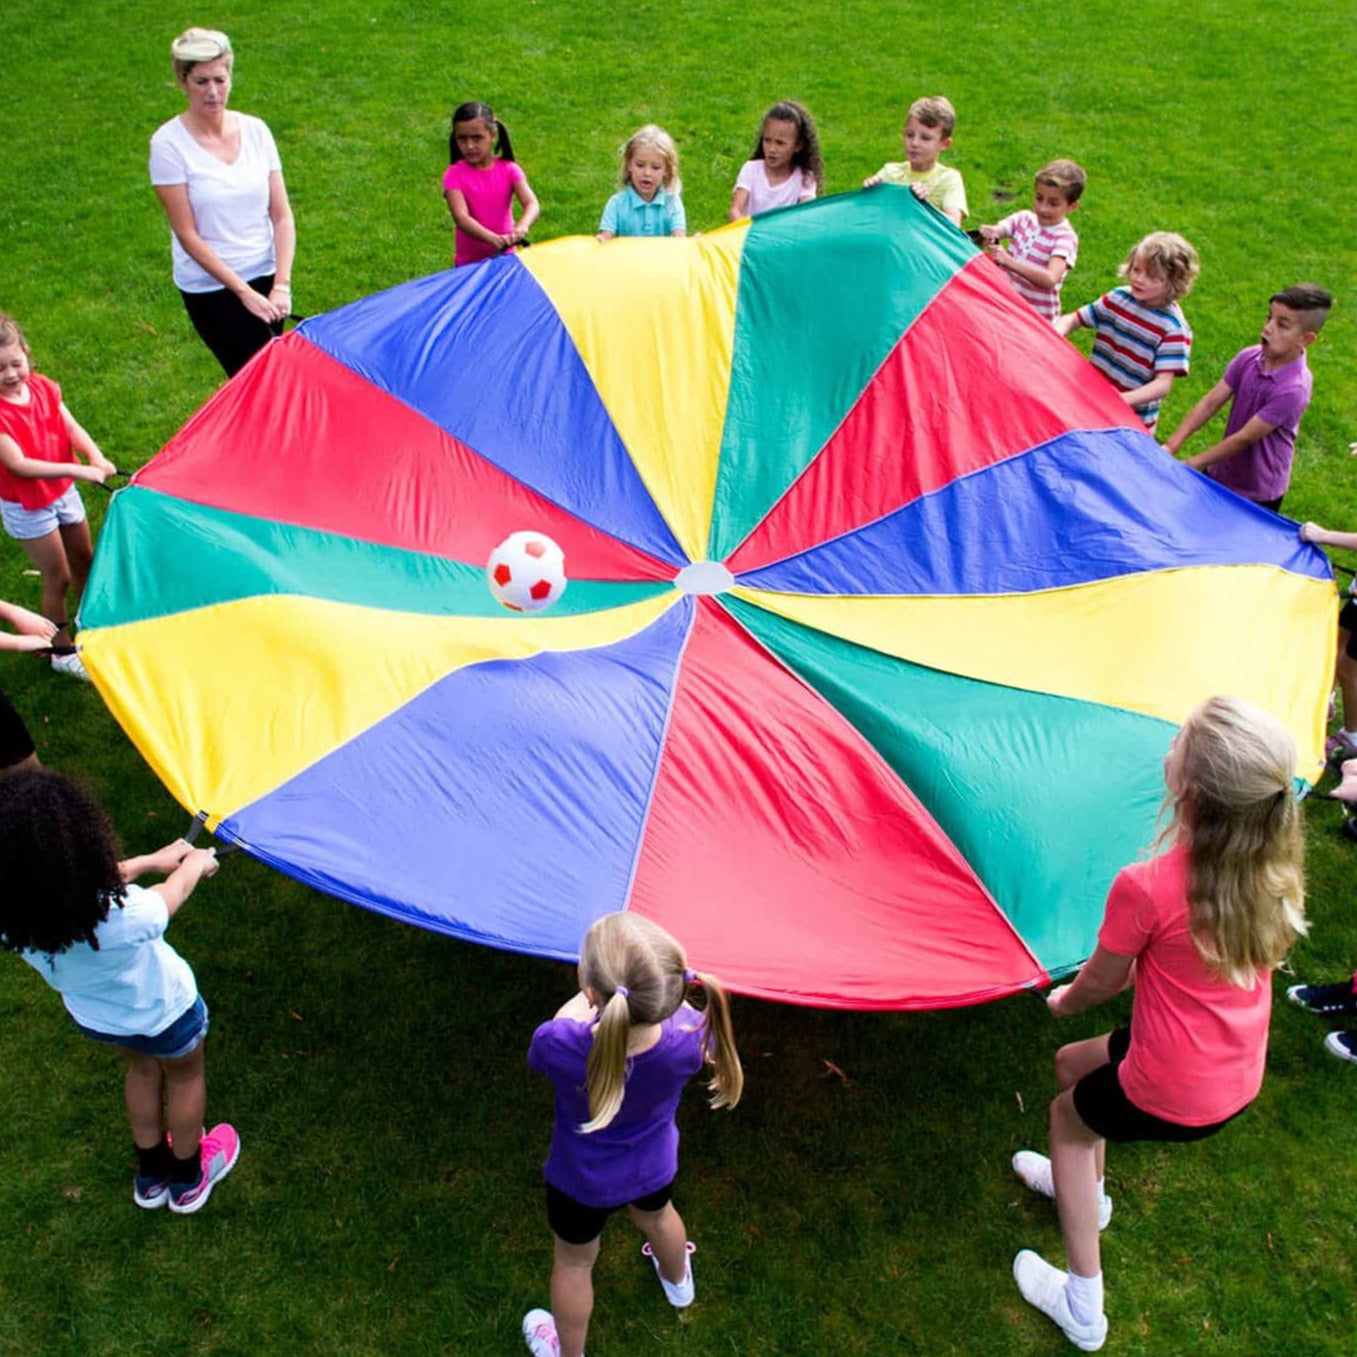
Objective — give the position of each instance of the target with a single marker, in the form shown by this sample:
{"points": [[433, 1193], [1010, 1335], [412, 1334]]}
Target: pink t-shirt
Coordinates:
{"points": [[489, 195], [797, 187], [1197, 1043]]}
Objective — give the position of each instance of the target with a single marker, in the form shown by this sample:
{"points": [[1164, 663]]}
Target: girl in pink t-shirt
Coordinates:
{"points": [[785, 168], [480, 185], [1198, 931]]}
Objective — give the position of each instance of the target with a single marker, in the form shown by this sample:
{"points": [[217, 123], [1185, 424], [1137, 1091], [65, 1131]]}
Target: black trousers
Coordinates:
{"points": [[232, 333]]}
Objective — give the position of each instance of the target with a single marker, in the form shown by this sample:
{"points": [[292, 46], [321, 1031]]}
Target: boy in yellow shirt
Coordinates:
{"points": [[928, 132]]}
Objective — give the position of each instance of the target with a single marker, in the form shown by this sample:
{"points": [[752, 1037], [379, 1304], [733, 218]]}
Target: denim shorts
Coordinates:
{"points": [[183, 1036], [26, 525]]}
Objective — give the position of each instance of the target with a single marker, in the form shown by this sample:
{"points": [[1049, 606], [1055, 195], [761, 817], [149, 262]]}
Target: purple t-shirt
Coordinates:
{"points": [[637, 1152], [1263, 472], [489, 195]]}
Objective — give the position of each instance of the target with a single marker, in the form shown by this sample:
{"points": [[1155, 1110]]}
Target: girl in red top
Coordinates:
{"points": [[1197, 930], [39, 505]]}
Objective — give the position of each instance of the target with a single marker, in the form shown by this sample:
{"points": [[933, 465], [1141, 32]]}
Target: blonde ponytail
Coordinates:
{"points": [[605, 1072], [718, 1046]]}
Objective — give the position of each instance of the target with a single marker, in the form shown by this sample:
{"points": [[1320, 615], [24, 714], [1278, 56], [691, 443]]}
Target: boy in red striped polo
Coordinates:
{"points": [[1042, 244]]}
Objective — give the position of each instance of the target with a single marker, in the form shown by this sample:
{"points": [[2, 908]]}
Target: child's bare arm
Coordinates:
{"points": [[163, 860], [84, 444], [532, 209], [1154, 390], [1067, 324], [1049, 277], [31, 631], [739, 205], [1104, 975], [579, 1008], [1326, 537], [1253, 432], [1201, 413], [15, 460], [196, 864], [461, 214]]}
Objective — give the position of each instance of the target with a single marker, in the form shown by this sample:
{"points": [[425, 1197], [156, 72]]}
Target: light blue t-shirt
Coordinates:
{"points": [[628, 214], [135, 983]]}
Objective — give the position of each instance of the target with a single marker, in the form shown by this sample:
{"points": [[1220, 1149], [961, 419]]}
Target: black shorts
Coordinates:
{"points": [[1347, 621], [1108, 1112], [579, 1224], [16, 744]]}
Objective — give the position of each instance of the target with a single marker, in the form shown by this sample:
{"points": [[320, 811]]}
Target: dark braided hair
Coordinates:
{"points": [[473, 112], [58, 863]]}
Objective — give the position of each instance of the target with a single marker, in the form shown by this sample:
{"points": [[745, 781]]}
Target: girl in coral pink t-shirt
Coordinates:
{"points": [[39, 465], [480, 185], [1197, 931]]}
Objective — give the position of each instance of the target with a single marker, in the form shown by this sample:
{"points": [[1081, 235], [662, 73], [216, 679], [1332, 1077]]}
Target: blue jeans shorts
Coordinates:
{"points": [[182, 1037], [26, 525]]}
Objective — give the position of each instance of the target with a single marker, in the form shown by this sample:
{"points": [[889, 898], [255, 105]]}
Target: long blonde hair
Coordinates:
{"points": [[625, 952], [1233, 804]]}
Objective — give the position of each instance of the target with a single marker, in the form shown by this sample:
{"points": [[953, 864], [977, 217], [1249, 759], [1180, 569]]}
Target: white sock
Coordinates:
{"points": [[1085, 1295], [1102, 1189]]}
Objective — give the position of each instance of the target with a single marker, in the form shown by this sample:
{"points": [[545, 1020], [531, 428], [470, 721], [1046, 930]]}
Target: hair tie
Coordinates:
{"points": [[622, 990], [690, 977]]}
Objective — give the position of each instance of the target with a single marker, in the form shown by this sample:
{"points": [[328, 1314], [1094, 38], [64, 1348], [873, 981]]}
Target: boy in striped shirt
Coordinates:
{"points": [[1143, 339], [1042, 244]]}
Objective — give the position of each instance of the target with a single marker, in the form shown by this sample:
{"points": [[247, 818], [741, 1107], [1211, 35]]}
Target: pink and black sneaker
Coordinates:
{"points": [[218, 1152]]}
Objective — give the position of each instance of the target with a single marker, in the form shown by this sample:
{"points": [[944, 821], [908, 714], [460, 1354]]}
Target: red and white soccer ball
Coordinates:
{"points": [[526, 572]]}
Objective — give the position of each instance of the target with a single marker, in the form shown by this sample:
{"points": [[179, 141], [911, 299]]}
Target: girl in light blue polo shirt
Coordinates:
{"points": [[649, 203], [71, 909]]}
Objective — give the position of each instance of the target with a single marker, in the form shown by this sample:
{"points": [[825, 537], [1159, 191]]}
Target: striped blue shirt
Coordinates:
{"points": [[1136, 343]]}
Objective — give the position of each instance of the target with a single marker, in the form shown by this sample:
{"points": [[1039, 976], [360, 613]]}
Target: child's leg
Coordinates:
{"points": [[1074, 1166], [1074, 1061], [75, 537], [1347, 683], [48, 553], [143, 1093], [185, 1100], [572, 1293], [668, 1239]]}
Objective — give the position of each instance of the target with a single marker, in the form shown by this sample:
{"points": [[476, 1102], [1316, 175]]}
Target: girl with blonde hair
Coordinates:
{"points": [[1198, 930], [650, 202], [619, 1055]]}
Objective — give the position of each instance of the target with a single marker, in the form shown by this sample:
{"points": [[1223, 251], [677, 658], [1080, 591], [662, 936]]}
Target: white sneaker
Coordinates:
{"points": [[539, 1333], [679, 1294], [70, 664], [1043, 1286], [1035, 1171]]}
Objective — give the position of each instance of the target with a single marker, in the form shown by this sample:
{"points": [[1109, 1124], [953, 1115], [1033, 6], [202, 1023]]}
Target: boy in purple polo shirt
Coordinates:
{"points": [[1269, 385]]}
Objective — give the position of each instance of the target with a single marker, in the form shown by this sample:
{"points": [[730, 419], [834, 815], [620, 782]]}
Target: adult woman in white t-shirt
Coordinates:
{"points": [[219, 179]]}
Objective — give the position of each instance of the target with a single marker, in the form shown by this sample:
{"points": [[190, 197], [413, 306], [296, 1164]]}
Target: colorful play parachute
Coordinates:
{"points": [[882, 608]]}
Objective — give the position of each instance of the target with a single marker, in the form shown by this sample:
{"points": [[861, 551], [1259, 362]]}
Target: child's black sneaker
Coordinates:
{"points": [[1342, 1044], [1325, 999]]}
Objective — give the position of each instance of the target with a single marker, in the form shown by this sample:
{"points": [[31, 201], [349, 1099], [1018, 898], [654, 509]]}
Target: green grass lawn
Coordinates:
{"points": [[388, 1199]]}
